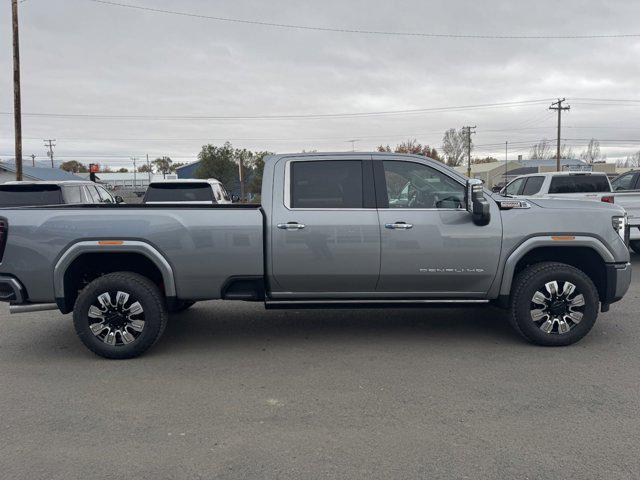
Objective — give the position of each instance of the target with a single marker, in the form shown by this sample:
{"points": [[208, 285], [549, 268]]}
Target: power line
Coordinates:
{"points": [[520, 103], [364, 31]]}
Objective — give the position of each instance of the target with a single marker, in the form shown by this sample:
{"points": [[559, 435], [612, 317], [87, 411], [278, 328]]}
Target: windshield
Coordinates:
{"points": [[26, 195], [179, 192]]}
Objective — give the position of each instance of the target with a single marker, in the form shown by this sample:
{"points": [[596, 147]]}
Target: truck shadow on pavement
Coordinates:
{"points": [[209, 324]]}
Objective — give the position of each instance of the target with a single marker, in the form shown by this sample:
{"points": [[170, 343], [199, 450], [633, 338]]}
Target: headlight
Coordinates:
{"points": [[620, 226]]}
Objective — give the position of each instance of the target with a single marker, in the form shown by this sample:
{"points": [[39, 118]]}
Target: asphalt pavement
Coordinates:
{"points": [[234, 391]]}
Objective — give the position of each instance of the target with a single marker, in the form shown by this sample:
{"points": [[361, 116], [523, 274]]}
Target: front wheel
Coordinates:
{"points": [[635, 245], [120, 315], [553, 304]]}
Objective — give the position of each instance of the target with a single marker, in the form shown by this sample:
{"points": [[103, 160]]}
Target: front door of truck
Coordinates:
{"points": [[325, 237], [429, 245]]}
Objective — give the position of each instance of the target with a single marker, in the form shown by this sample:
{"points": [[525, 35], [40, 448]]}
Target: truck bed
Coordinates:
{"points": [[204, 244]]}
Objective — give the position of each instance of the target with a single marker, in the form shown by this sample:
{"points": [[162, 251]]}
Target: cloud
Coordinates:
{"points": [[79, 57]]}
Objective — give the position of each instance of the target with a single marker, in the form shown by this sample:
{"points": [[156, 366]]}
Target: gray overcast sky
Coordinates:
{"points": [[80, 57]]}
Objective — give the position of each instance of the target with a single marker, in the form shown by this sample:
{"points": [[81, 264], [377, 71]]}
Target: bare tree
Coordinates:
{"points": [[453, 146], [632, 161], [541, 150], [592, 153]]}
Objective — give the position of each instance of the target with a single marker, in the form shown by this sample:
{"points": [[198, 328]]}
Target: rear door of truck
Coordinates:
{"points": [[326, 237]]}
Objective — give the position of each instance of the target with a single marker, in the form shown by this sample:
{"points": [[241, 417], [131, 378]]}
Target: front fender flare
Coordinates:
{"points": [[548, 241]]}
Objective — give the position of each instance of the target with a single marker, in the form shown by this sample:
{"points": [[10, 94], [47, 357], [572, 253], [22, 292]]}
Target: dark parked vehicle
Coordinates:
{"points": [[22, 194]]}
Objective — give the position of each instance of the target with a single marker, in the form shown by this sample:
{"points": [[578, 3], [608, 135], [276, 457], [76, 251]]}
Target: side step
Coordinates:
{"points": [[390, 303]]}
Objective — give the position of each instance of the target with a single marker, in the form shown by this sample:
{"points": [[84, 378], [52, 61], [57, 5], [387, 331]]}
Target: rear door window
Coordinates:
{"points": [[532, 186], [25, 195], [326, 184], [579, 184], [179, 192], [625, 182], [72, 195]]}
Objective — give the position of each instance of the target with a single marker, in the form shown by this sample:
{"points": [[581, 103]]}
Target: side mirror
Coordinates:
{"points": [[476, 203], [118, 199], [235, 198]]}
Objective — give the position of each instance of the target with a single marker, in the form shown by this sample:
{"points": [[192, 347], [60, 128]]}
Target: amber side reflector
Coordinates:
{"points": [[110, 242], [563, 237]]}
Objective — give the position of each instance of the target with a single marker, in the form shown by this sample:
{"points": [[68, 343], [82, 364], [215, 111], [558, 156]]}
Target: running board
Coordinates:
{"points": [[389, 303]]}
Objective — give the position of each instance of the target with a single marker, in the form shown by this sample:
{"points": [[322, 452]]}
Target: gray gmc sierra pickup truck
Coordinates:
{"points": [[333, 230]]}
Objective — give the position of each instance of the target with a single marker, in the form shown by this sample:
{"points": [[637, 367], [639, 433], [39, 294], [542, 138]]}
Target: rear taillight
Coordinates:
{"points": [[3, 236], [608, 199]]}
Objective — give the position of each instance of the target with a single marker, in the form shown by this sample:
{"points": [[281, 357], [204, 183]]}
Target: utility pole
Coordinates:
{"points": [[558, 106], [33, 159], [506, 162], [50, 143], [134, 170], [17, 108], [468, 132], [353, 143], [149, 168], [241, 176]]}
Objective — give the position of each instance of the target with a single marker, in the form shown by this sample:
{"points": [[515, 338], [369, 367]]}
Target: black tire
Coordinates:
{"points": [[180, 306], [533, 280], [635, 245], [140, 333]]}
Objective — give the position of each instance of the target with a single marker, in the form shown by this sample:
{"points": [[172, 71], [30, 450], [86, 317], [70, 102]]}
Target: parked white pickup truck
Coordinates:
{"points": [[575, 185], [188, 191], [623, 191], [626, 191]]}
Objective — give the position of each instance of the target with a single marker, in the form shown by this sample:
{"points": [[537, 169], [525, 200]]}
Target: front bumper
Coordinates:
{"points": [[618, 281]]}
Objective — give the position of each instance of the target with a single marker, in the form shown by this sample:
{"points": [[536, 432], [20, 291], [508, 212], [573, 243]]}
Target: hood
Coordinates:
{"points": [[567, 204]]}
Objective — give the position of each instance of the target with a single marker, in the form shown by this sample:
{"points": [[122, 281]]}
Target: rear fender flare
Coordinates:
{"points": [[115, 246]]}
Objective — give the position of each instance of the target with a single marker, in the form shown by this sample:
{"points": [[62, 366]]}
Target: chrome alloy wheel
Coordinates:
{"points": [[116, 323], [556, 311]]}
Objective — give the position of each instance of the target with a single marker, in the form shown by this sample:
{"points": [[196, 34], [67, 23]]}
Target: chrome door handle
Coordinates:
{"points": [[291, 226], [398, 226]]}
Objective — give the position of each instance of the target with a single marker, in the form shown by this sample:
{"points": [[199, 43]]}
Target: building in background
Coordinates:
{"points": [[8, 173]]}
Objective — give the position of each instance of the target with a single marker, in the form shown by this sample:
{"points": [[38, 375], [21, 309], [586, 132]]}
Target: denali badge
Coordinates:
{"points": [[451, 270]]}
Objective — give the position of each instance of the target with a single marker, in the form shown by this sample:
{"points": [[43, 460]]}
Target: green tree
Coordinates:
{"points": [[255, 185], [123, 170], [74, 166], [218, 162], [163, 165], [144, 168]]}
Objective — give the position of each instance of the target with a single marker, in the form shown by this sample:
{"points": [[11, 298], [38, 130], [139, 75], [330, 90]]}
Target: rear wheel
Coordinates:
{"points": [[553, 304], [635, 245], [120, 315]]}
